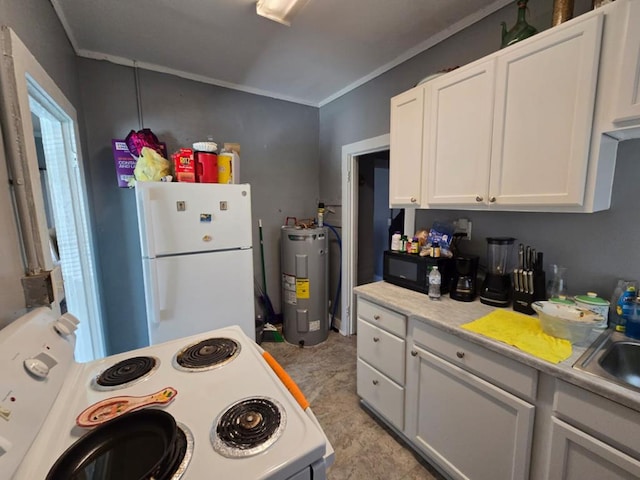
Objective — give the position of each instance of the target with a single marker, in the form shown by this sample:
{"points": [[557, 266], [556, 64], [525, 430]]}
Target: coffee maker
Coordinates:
{"points": [[496, 288], [463, 284]]}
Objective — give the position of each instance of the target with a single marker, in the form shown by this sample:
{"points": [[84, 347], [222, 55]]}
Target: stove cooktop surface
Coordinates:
{"points": [[204, 395]]}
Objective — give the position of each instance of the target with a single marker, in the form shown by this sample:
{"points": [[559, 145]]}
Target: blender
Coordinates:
{"points": [[496, 288]]}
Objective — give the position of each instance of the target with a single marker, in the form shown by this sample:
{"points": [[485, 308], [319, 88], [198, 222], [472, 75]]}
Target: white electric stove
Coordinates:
{"points": [[235, 417]]}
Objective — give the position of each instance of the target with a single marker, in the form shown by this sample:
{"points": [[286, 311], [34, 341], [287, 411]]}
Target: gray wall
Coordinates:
{"points": [[37, 25], [279, 158], [596, 248]]}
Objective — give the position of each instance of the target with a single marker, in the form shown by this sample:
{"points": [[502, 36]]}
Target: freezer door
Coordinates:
{"points": [[191, 294], [179, 218]]}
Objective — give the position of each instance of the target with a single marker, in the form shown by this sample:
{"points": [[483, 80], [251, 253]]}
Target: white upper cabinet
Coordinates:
{"points": [[543, 117], [457, 140], [531, 127], [627, 102], [405, 156]]}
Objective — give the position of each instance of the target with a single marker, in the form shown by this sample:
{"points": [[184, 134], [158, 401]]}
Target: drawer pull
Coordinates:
{"points": [[492, 199], [413, 353], [375, 382], [459, 354], [376, 317], [479, 198], [376, 339]]}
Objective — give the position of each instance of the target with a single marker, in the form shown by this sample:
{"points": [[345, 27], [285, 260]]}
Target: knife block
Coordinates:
{"points": [[522, 300]]}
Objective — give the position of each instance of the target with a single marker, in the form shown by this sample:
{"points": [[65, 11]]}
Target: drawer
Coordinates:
{"points": [[381, 393], [382, 350], [508, 374], [382, 317], [604, 419]]}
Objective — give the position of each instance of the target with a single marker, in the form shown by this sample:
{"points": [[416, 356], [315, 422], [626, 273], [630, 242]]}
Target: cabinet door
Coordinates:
{"points": [[627, 104], [405, 154], [458, 135], [574, 455], [471, 428], [543, 117]]}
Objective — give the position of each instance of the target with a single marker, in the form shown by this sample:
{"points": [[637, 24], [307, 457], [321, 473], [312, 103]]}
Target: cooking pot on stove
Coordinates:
{"points": [[140, 445]]}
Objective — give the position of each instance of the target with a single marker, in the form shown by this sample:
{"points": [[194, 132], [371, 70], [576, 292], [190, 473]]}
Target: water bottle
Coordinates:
{"points": [[435, 279]]}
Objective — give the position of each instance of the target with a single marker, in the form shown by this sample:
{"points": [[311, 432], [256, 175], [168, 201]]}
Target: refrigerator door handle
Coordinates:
{"points": [[145, 215], [153, 300]]}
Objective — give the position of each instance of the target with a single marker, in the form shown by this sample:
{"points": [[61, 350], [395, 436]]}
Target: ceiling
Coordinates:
{"points": [[331, 47]]}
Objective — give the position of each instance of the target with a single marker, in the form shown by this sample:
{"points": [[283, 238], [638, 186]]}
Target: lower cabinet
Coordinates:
{"points": [[576, 455], [381, 360], [467, 425], [592, 437]]}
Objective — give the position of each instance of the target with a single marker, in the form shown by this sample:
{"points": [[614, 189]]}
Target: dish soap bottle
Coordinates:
{"points": [[520, 30], [435, 279]]}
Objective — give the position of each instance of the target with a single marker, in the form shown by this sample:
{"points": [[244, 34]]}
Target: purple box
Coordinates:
{"points": [[125, 162]]}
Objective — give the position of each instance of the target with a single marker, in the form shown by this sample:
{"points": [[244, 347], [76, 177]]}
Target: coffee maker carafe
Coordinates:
{"points": [[496, 288], [463, 284]]}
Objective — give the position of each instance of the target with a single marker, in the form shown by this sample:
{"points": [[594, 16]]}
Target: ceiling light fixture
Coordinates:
{"points": [[280, 11]]}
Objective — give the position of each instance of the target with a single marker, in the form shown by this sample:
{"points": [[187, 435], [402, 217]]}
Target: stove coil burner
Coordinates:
{"points": [[207, 354], [248, 427], [125, 373], [183, 452]]}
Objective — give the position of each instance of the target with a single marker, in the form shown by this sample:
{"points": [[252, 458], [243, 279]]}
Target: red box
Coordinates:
{"points": [[184, 165]]}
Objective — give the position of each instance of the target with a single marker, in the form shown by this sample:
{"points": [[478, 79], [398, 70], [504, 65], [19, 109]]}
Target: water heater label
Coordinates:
{"points": [[302, 287], [314, 326], [289, 289]]}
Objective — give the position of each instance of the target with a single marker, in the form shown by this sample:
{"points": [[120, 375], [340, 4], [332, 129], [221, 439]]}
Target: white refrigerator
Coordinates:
{"points": [[197, 257]]}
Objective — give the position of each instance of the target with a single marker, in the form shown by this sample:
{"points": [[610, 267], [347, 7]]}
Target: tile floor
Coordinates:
{"points": [[365, 449]]}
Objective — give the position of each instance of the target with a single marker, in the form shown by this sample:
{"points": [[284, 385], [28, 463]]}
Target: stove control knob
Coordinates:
{"points": [[66, 325], [40, 365]]}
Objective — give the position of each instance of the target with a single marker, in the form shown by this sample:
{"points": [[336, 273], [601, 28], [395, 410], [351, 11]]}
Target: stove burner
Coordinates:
{"points": [[183, 451], [207, 354], [125, 372], [248, 427]]}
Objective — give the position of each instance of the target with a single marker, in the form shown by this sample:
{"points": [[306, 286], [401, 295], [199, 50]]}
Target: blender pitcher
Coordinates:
{"points": [[496, 289]]}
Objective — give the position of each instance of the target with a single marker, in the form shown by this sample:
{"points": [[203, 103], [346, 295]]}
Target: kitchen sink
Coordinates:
{"points": [[614, 357]]}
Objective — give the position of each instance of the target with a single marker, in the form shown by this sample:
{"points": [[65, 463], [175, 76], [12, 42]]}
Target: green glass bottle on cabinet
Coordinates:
{"points": [[520, 30]]}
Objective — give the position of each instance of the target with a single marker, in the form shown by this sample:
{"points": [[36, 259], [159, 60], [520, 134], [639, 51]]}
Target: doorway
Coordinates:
{"points": [[49, 187]]}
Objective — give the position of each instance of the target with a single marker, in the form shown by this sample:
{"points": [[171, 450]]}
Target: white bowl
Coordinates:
{"points": [[567, 321], [205, 146]]}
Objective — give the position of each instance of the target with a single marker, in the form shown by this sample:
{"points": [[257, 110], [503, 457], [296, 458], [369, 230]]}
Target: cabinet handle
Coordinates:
{"points": [[414, 199], [375, 382], [376, 317], [459, 354], [376, 339], [413, 353], [479, 198], [492, 199]]}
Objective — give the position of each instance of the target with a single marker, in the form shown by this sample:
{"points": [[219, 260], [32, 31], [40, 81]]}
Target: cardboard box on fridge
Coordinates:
{"points": [[125, 162], [184, 165]]}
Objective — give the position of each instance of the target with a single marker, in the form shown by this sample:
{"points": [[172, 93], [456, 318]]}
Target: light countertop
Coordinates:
{"points": [[449, 315]]}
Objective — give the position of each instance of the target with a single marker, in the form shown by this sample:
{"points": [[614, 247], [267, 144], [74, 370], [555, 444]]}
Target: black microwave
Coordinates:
{"points": [[411, 271]]}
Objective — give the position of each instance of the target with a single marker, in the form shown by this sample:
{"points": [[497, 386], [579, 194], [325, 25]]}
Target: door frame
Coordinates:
{"points": [[22, 73], [350, 154]]}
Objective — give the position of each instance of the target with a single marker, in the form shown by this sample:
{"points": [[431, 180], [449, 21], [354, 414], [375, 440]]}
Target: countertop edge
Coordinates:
{"points": [[418, 306]]}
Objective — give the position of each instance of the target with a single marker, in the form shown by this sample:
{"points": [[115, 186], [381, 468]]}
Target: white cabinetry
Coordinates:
{"points": [[458, 135], [381, 360], [405, 156], [627, 102], [462, 407], [514, 130], [543, 117], [592, 437]]}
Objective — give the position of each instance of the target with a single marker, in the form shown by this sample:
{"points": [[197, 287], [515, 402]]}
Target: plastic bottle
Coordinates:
{"points": [[403, 243], [435, 279], [395, 242], [633, 322], [414, 245], [625, 307], [321, 214]]}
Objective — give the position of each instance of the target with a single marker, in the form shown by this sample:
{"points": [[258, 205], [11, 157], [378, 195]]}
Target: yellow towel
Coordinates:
{"points": [[523, 332]]}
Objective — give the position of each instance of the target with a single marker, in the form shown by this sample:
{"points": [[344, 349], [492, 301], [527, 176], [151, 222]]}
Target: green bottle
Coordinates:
{"points": [[520, 30]]}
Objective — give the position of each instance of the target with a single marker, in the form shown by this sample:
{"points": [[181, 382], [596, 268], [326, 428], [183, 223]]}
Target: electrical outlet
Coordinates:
{"points": [[463, 225]]}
